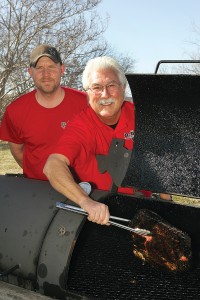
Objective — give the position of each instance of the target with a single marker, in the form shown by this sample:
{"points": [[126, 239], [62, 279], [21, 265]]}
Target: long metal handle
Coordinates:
{"points": [[83, 212]]}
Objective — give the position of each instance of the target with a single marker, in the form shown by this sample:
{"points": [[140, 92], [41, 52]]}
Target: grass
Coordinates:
{"points": [[7, 162], [9, 165]]}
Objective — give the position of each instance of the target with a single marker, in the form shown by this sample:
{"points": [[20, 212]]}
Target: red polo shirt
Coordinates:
{"points": [[87, 136]]}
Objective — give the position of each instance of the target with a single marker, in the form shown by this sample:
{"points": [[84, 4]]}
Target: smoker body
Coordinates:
{"points": [[36, 238]]}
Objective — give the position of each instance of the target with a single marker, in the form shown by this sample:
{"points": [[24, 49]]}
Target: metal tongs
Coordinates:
{"points": [[79, 210]]}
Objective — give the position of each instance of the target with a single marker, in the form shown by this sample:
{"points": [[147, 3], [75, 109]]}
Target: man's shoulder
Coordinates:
{"points": [[74, 92], [129, 104], [128, 109], [21, 100], [83, 119]]}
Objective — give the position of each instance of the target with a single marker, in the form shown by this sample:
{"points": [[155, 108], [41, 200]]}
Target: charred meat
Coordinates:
{"points": [[168, 247]]}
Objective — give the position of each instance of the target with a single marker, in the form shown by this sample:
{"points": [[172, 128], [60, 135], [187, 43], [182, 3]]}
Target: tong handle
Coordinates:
{"points": [[83, 212]]}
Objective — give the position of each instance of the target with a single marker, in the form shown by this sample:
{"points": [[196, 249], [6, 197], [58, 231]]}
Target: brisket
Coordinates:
{"points": [[168, 247]]}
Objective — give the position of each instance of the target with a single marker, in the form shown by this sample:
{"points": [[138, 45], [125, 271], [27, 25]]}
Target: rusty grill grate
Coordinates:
{"points": [[104, 267]]}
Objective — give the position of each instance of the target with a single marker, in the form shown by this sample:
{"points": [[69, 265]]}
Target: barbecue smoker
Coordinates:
{"points": [[60, 254]]}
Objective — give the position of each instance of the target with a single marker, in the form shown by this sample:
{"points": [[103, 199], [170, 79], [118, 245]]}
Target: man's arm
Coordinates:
{"points": [[57, 171], [17, 151]]}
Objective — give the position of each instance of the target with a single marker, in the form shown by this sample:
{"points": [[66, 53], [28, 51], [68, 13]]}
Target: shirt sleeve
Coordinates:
{"points": [[74, 145], [9, 131]]}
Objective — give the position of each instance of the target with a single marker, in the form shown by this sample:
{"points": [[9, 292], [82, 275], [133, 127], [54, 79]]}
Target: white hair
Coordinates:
{"points": [[102, 63]]}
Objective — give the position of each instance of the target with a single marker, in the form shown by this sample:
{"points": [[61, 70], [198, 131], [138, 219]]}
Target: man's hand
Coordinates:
{"points": [[97, 212], [57, 171]]}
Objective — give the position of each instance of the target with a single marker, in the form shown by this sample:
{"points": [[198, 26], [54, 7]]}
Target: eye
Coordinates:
{"points": [[52, 67], [97, 88], [111, 85], [39, 68]]}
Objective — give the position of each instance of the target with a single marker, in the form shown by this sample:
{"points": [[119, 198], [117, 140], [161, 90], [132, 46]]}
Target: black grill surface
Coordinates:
{"points": [[166, 156], [104, 267]]}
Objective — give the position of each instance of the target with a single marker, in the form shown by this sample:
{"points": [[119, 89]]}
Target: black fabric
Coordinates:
{"points": [[166, 156], [113, 126]]}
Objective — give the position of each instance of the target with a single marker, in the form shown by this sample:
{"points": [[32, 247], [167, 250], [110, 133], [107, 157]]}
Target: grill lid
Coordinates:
{"points": [[166, 156]]}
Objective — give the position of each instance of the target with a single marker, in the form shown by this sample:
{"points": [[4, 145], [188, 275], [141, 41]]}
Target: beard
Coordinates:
{"points": [[48, 86]]}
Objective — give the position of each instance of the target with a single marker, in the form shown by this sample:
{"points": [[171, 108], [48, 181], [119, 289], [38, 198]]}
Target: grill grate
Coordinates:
{"points": [[104, 267]]}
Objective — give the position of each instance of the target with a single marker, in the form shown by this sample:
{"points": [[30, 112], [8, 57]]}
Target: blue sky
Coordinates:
{"points": [[152, 30]]}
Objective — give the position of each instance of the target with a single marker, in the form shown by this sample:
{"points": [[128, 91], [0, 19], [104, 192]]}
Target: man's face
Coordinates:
{"points": [[46, 75], [106, 102]]}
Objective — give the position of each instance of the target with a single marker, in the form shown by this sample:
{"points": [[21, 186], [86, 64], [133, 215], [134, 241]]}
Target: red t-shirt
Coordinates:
{"points": [[87, 136], [39, 128]]}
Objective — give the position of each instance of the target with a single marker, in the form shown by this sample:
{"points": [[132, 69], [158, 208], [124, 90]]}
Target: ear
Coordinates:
{"points": [[30, 71], [62, 69], [124, 88]]}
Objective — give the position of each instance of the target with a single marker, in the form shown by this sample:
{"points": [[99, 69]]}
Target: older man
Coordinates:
{"points": [[91, 133]]}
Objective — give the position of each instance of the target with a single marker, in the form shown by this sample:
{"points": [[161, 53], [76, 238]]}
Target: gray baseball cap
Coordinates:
{"points": [[44, 50]]}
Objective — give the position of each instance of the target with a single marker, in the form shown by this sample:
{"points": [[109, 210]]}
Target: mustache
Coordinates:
{"points": [[106, 101]]}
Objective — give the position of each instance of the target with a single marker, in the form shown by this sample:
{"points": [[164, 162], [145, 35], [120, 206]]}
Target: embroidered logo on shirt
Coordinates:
{"points": [[64, 124], [129, 135]]}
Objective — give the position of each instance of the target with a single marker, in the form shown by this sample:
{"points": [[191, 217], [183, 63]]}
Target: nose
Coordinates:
{"points": [[105, 93], [46, 71]]}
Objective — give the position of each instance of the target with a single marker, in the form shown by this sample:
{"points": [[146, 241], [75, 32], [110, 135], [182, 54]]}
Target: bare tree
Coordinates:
{"points": [[193, 64], [73, 26]]}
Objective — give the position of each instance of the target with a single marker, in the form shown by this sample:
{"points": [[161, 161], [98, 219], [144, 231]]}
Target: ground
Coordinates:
{"points": [[7, 162]]}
